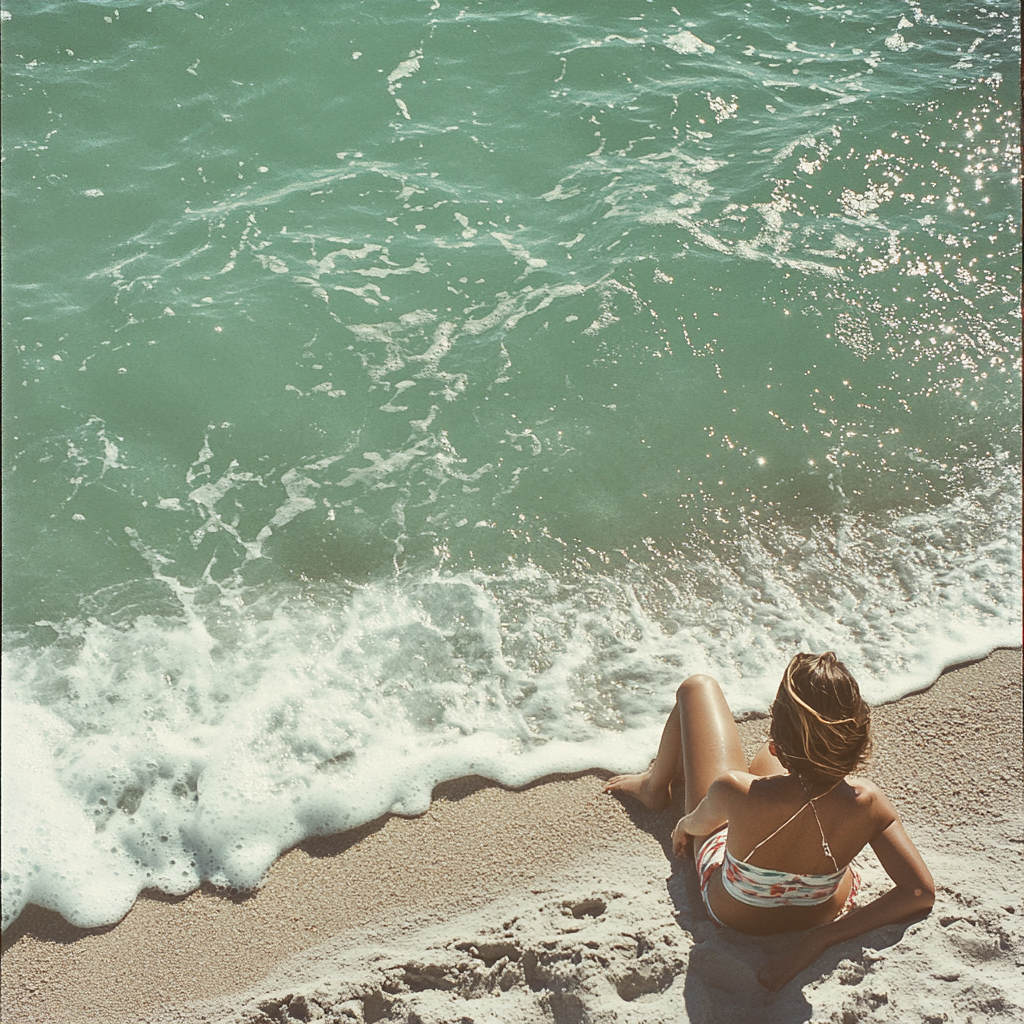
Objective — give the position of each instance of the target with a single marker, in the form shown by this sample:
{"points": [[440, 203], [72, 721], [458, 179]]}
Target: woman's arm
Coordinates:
{"points": [[913, 893], [713, 811]]}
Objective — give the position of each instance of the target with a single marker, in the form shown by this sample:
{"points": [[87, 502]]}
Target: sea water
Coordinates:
{"points": [[403, 389]]}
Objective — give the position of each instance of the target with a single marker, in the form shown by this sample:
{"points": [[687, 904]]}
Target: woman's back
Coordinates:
{"points": [[772, 825], [778, 826]]}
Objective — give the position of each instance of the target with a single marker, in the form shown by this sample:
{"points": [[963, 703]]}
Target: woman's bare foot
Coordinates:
{"points": [[639, 787]]}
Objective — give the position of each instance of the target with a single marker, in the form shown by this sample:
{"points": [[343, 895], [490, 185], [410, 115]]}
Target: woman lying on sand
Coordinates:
{"points": [[773, 844]]}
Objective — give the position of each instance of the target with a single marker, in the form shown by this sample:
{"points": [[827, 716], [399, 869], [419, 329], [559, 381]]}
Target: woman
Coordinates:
{"points": [[773, 844]]}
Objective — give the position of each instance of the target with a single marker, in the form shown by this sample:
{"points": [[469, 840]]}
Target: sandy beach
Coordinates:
{"points": [[557, 903]]}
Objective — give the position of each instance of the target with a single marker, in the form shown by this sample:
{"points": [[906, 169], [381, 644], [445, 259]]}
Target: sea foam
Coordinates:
{"points": [[197, 746]]}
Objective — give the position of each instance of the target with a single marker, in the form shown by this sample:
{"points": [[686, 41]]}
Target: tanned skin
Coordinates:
{"points": [[701, 752]]}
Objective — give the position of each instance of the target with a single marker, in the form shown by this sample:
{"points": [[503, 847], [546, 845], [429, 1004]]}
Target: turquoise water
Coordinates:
{"points": [[399, 390]]}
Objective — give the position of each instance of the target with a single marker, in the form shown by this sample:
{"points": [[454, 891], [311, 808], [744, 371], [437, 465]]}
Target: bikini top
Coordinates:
{"points": [[765, 887]]}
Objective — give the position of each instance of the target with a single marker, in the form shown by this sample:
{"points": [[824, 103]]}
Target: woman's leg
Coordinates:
{"points": [[710, 740], [653, 788], [766, 763], [699, 742]]}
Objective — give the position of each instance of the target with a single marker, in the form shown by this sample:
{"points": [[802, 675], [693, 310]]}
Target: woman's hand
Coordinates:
{"points": [[680, 837], [781, 970], [712, 812]]}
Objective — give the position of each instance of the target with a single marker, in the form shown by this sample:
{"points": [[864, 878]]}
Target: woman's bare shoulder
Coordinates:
{"points": [[758, 787], [735, 782], [736, 779], [870, 797]]}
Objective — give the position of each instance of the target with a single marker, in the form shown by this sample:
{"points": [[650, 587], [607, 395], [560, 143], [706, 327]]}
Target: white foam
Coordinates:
{"points": [[687, 42], [200, 746]]}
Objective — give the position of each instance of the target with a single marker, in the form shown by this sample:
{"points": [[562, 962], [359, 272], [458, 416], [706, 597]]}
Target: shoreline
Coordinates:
{"points": [[577, 869]]}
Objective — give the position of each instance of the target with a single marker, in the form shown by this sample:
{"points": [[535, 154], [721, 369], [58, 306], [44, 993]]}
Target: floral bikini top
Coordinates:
{"points": [[764, 887]]}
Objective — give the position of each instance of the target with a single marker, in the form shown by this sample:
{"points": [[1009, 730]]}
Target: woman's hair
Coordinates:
{"points": [[820, 723]]}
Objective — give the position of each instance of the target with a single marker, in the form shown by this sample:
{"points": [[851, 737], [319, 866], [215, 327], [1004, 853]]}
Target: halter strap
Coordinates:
{"points": [[826, 849]]}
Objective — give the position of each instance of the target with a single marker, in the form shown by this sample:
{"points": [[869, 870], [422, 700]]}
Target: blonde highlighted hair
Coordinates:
{"points": [[820, 723]]}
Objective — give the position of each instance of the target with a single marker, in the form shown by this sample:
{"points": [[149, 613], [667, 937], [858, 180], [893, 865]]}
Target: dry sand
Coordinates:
{"points": [[556, 903]]}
